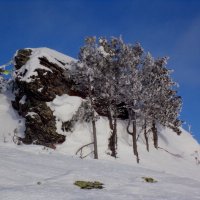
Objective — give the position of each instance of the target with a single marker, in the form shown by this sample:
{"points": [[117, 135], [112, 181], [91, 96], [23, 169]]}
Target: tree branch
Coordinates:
{"points": [[81, 148]]}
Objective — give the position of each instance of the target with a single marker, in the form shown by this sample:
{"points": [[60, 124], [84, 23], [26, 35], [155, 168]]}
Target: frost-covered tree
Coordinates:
{"points": [[84, 75], [112, 73], [111, 63], [130, 88], [171, 110], [159, 101], [110, 69], [148, 93], [98, 63], [120, 84]]}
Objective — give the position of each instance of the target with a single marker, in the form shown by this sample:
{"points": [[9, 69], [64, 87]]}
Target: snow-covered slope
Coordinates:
{"points": [[44, 175], [11, 122], [175, 164]]}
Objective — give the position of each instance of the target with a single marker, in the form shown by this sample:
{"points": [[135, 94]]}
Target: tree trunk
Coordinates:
{"points": [[110, 119], [145, 135], [95, 139], [112, 145], [94, 132], [155, 135], [134, 137], [115, 130]]}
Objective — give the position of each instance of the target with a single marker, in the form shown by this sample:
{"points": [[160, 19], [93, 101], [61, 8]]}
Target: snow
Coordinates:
{"points": [[29, 69], [31, 114], [65, 106], [40, 89], [23, 100], [102, 51], [11, 122], [44, 175]]}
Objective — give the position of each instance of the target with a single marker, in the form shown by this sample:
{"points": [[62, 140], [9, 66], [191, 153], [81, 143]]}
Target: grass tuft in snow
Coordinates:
{"points": [[89, 185], [149, 180]]}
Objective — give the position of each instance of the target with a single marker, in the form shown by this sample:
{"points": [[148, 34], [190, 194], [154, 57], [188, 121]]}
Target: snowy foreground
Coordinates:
{"points": [[30, 172], [42, 175]]}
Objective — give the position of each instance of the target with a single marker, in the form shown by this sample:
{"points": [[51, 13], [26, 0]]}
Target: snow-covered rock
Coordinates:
{"points": [[40, 75]]}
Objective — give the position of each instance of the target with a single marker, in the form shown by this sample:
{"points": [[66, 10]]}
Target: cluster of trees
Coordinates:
{"points": [[124, 77], [116, 73]]}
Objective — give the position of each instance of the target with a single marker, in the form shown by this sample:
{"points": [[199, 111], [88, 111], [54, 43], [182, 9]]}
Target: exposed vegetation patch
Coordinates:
{"points": [[89, 185], [149, 180]]}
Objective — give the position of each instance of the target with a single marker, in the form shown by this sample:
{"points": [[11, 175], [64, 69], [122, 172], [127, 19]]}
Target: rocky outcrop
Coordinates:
{"points": [[31, 97]]}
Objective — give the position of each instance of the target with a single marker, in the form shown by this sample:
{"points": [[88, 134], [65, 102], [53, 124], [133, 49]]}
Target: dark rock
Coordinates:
{"points": [[40, 122], [22, 57]]}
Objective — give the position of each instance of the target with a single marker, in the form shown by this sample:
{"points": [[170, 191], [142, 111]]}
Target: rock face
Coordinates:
{"points": [[33, 90]]}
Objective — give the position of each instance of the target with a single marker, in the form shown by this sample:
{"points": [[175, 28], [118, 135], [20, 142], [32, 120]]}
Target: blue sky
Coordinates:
{"points": [[163, 27]]}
